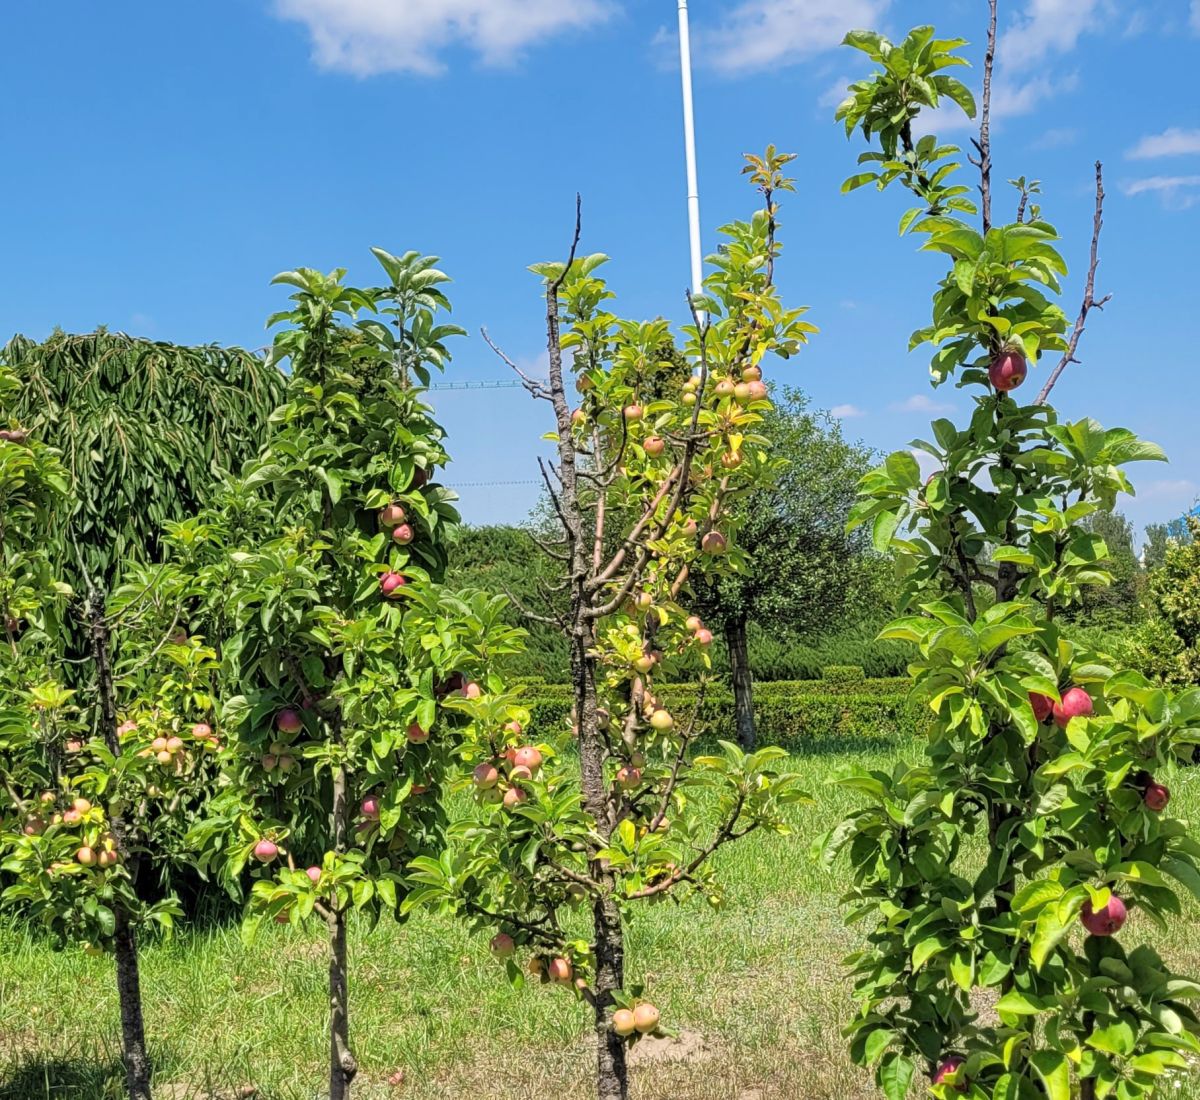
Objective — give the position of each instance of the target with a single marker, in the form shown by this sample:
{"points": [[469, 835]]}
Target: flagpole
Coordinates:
{"points": [[689, 144]]}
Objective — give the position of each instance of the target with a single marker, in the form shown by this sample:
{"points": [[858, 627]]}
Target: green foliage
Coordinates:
{"points": [[1175, 593], [974, 869], [840, 674]]}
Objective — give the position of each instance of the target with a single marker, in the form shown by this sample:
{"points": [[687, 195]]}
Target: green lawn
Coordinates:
{"points": [[757, 988]]}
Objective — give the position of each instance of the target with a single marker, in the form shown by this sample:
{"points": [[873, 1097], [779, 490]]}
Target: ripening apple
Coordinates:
{"points": [[503, 945], [536, 966], [693, 623], [741, 393], [287, 763], [623, 1022], [514, 796], [529, 757], [126, 727], [578, 416], [1156, 797], [759, 391], [314, 874], [520, 774], [419, 478], [1008, 371], [514, 727], [165, 757], [714, 543], [390, 583], [645, 1018], [691, 385], [584, 383], [644, 663], [391, 515], [628, 778], [159, 744], [174, 744], [489, 796], [644, 601], [947, 1069], [82, 805], [1043, 705], [485, 775], [288, 721], [265, 850], [108, 859], [269, 760], [1106, 921], [416, 734], [560, 970], [1076, 703], [73, 744], [654, 445], [724, 388], [403, 534], [202, 731], [704, 636], [370, 807], [634, 413], [34, 826], [85, 856], [690, 527], [661, 720], [689, 398], [731, 460], [72, 817], [472, 690]]}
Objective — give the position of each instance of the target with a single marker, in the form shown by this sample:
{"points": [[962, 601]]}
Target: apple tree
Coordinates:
{"points": [[99, 778], [621, 811], [996, 877], [345, 666]]}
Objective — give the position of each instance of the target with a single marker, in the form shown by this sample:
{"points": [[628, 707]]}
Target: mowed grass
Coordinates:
{"points": [[757, 988]]}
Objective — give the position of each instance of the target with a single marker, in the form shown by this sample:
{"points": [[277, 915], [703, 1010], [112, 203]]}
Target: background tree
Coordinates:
{"points": [[344, 663], [1154, 552], [1120, 600], [1174, 590], [803, 567], [1036, 814], [641, 489]]}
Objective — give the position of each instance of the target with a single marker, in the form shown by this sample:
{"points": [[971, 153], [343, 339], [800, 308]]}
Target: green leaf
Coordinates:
{"points": [[895, 1075]]}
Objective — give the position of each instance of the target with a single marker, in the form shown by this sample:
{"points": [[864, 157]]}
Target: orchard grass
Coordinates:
{"points": [[757, 989]]}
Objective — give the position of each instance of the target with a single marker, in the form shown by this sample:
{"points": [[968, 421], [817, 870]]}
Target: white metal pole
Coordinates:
{"points": [[689, 143]]}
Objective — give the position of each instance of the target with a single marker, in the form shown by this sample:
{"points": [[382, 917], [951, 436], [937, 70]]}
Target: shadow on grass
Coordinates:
{"points": [[63, 1079]]}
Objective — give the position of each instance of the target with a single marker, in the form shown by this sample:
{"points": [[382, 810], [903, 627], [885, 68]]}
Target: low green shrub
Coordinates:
{"points": [[788, 712], [843, 674]]}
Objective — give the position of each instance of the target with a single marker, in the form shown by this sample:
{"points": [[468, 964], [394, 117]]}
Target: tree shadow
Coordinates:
{"points": [[68, 1078]]}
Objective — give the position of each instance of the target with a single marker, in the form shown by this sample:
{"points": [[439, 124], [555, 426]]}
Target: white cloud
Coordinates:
{"points": [[366, 37], [835, 93], [846, 412], [1181, 489], [1172, 142], [1011, 98], [1176, 192], [759, 33], [1047, 27], [921, 403]]}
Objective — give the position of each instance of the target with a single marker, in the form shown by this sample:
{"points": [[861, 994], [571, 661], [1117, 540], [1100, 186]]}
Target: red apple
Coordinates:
{"points": [[514, 796], [314, 874], [560, 970], [390, 583], [628, 778], [634, 412], [704, 636], [1076, 703], [392, 515], [654, 445], [1104, 922], [416, 734], [503, 945], [529, 757], [948, 1068], [265, 850], [85, 856], [1156, 797], [288, 721], [370, 807], [1008, 371], [403, 534], [1043, 705], [759, 391], [486, 775]]}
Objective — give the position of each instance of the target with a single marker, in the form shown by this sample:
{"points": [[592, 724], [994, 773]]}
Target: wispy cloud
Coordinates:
{"points": [[1056, 138], [1172, 142], [366, 37], [921, 403], [1180, 489], [756, 33], [1176, 192], [846, 412], [1048, 27]]}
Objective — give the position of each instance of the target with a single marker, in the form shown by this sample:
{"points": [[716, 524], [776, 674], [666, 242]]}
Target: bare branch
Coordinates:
{"points": [[1090, 301], [984, 144], [536, 389]]}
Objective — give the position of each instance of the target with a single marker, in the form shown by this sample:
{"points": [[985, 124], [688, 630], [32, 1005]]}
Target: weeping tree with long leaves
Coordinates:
{"points": [[347, 669], [1005, 866], [641, 489]]}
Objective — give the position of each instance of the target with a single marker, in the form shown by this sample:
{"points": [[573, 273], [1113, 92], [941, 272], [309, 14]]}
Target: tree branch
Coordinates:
{"points": [[1089, 293], [984, 143]]}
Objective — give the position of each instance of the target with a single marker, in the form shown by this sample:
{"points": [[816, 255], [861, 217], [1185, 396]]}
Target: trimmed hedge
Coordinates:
{"points": [[787, 712]]}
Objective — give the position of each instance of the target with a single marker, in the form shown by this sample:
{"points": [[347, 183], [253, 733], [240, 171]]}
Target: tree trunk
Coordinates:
{"points": [[129, 988], [342, 1066], [612, 1075], [743, 682]]}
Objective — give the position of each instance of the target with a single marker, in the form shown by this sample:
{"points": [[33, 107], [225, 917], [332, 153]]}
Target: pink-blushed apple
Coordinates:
{"points": [[289, 721], [266, 850], [503, 945], [560, 970], [514, 796], [85, 856], [202, 731], [731, 460], [392, 514], [1106, 921], [314, 874], [1076, 703], [693, 623], [759, 391], [714, 543], [741, 393], [403, 534], [391, 583], [528, 756], [370, 807], [518, 773], [1008, 371], [634, 413], [416, 734], [947, 1069], [514, 727], [704, 636], [628, 778], [654, 445]]}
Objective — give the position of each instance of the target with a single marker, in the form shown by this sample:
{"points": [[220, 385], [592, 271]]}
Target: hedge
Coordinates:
{"points": [[787, 712]]}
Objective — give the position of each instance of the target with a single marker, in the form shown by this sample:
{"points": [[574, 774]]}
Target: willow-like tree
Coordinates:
{"points": [[641, 490], [1006, 864]]}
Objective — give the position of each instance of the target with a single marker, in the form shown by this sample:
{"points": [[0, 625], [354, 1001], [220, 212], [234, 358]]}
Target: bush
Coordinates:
{"points": [[843, 674], [788, 713]]}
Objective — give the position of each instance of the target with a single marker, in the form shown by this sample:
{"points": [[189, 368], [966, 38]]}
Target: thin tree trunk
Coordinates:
{"points": [[743, 682], [129, 989], [612, 1074], [342, 1066]]}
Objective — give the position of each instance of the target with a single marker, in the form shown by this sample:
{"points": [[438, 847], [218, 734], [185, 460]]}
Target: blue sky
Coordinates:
{"points": [[165, 160]]}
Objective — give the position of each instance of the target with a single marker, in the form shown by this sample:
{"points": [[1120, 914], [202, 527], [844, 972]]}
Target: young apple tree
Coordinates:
{"points": [[641, 490], [1005, 866], [347, 666], [98, 780]]}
